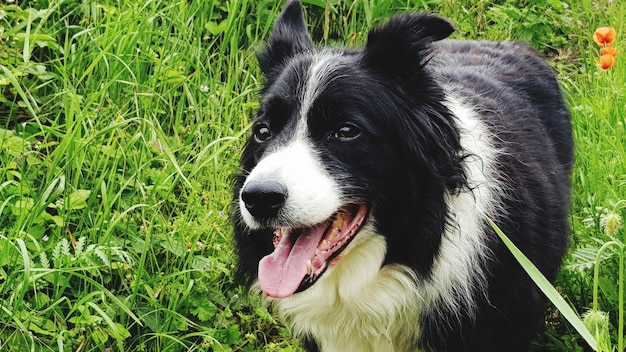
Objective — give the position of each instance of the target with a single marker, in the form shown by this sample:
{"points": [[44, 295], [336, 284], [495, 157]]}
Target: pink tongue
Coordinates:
{"points": [[282, 271]]}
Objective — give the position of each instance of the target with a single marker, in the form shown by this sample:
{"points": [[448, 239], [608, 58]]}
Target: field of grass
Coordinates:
{"points": [[121, 124]]}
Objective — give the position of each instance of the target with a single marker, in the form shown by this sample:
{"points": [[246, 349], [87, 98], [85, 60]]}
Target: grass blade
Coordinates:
{"points": [[546, 287]]}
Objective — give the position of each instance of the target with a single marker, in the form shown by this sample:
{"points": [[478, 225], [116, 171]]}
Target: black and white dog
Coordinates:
{"points": [[361, 204]]}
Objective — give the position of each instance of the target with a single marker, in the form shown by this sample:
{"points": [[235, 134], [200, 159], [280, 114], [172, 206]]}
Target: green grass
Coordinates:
{"points": [[121, 124]]}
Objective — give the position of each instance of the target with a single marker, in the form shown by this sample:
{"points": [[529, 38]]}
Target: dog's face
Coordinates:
{"points": [[336, 133]]}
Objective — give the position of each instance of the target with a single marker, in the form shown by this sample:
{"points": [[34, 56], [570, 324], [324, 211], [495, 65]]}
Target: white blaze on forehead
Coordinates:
{"points": [[312, 194], [318, 77]]}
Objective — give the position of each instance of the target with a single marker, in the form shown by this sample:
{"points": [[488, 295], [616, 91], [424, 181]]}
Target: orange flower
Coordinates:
{"points": [[606, 61], [609, 50], [604, 36]]}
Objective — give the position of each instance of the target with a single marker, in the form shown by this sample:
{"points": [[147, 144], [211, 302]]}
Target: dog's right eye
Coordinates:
{"points": [[261, 133], [347, 132]]}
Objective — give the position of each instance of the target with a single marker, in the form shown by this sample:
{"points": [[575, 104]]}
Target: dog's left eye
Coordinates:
{"points": [[347, 132], [261, 133]]}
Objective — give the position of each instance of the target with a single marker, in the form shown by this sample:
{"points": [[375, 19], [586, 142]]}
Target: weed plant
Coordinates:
{"points": [[121, 124]]}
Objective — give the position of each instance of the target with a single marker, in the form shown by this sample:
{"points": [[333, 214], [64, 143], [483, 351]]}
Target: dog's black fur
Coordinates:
{"points": [[404, 155]]}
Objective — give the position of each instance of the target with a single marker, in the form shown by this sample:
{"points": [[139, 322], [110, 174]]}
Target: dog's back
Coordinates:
{"points": [[517, 96], [510, 74]]}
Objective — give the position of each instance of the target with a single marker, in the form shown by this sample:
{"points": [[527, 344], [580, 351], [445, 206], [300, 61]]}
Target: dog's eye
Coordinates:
{"points": [[347, 132], [261, 133]]}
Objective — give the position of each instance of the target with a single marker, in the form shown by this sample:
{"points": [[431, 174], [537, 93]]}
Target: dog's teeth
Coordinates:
{"points": [[324, 244], [333, 233], [338, 221], [278, 235], [309, 267]]}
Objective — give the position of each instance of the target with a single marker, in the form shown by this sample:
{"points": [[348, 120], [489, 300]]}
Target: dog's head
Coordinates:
{"points": [[342, 139]]}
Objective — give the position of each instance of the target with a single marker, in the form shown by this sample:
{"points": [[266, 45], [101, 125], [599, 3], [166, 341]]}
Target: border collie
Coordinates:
{"points": [[360, 207]]}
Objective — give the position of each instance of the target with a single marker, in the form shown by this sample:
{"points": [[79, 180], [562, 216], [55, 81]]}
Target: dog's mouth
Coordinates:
{"points": [[301, 256]]}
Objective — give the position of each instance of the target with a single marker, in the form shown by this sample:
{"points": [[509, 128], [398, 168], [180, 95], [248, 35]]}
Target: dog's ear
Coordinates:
{"points": [[400, 47], [289, 38], [396, 53]]}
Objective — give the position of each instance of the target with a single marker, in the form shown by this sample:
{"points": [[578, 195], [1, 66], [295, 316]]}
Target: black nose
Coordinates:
{"points": [[263, 199]]}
